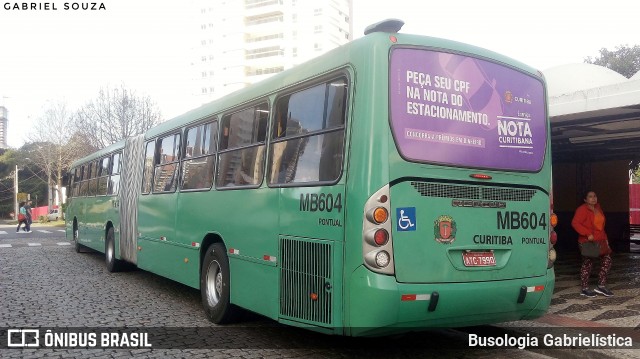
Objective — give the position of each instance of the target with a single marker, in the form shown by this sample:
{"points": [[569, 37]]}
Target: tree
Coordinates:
{"points": [[634, 171], [31, 178], [54, 145], [624, 60], [115, 115]]}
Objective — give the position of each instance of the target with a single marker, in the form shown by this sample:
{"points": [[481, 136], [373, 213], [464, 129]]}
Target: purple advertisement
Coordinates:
{"points": [[463, 111]]}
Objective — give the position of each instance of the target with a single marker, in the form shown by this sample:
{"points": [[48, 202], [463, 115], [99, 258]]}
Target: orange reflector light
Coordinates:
{"points": [[313, 296], [380, 215], [553, 219], [480, 176]]}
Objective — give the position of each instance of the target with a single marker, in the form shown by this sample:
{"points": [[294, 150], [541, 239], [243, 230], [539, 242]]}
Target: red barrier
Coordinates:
{"points": [[634, 204], [40, 211]]}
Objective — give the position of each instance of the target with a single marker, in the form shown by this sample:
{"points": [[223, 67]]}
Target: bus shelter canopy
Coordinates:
{"points": [[595, 113]]}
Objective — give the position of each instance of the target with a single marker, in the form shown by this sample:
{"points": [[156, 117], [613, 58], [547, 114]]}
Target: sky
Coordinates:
{"points": [[53, 56]]}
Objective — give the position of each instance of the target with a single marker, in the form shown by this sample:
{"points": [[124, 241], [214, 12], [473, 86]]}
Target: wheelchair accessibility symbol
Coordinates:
{"points": [[406, 219]]}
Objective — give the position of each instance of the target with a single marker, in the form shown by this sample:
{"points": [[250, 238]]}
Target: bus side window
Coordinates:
{"points": [[149, 156], [75, 184], [93, 181], [308, 137], [199, 161], [242, 147], [166, 170], [84, 185], [114, 172], [103, 166]]}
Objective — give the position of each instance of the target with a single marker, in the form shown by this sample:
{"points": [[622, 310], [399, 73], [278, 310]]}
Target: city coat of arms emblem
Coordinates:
{"points": [[445, 229]]}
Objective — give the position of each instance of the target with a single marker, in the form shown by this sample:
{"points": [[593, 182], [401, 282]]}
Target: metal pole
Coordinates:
{"points": [[15, 187], [49, 194]]}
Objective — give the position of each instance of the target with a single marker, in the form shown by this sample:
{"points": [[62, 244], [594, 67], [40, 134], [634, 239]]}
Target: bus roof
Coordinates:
{"points": [[356, 51], [351, 52], [114, 147]]}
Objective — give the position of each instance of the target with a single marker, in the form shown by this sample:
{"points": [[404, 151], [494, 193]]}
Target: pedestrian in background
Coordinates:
{"points": [[589, 221], [27, 207], [22, 218]]}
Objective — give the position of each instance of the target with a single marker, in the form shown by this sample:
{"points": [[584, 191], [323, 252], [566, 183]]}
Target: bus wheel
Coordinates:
{"points": [[214, 286], [113, 265], [79, 247]]}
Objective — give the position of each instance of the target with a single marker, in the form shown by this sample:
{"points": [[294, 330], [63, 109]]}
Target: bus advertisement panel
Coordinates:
{"points": [[468, 112]]}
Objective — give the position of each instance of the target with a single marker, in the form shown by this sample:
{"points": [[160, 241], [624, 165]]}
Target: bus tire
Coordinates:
{"points": [[79, 247], [113, 264], [215, 286]]}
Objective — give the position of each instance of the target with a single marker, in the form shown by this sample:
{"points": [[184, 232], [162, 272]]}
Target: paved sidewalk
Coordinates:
{"points": [[575, 315], [621, 310]]}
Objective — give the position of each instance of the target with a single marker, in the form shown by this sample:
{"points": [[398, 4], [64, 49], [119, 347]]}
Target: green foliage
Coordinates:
{"points": [[30, 179], [624, 60], [634, 171]]}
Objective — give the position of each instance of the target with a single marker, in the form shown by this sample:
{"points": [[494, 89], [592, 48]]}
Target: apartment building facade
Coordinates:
{"points": [[4, 114], [243, 42]]}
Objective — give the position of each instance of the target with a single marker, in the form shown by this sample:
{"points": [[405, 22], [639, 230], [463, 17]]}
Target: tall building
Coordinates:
{"points": [[244, 41], [4, 114]]}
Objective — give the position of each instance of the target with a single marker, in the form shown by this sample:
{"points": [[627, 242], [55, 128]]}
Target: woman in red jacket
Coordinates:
{"points": [[589, 223]]}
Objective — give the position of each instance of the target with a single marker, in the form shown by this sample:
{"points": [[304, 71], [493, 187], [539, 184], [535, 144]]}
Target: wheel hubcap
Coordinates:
{"points": [[214, 283], [110, 251]]}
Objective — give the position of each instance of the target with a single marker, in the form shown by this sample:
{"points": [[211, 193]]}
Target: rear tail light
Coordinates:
{"points": [[377, 243], [382, 259], [381, 237], [378, 215], [377, 237]]}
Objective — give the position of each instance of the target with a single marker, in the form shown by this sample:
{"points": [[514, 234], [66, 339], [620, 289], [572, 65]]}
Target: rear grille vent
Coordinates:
{"points": [[442, 190], [304, 274], [446, 190], [507, 194]]}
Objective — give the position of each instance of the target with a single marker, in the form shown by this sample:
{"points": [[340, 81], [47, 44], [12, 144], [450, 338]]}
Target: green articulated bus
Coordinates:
{"points": [[396, 183]]}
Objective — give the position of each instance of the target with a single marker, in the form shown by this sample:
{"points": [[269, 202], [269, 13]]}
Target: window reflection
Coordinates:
{"points": [[200, 148], [242, 138], [309, 135]]}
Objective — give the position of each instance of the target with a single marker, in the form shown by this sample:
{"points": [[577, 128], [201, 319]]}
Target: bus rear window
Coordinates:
{"points": [[463, 111]]}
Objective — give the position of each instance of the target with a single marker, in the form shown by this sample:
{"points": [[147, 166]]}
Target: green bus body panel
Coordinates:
{"points": [[169, 260], [97, 212], [254, 285], [317, 217], [425, 255], [378, 309], [296, 259]]}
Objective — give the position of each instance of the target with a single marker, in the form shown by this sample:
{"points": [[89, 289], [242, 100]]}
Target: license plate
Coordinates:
{"points": [[478, 259]]}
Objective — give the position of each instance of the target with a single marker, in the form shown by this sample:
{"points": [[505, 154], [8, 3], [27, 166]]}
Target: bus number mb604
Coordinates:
{"points": [[312, 202], [521, 220]]}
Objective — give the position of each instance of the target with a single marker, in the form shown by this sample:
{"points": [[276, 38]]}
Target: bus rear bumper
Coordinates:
{"points": [[380, 305]]}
